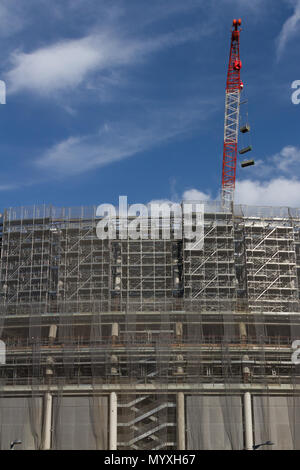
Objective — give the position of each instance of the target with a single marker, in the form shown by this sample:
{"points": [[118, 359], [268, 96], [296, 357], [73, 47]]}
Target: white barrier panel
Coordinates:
{"points": [[277, 419], [214, 422], [80, 423], [20, 419]]}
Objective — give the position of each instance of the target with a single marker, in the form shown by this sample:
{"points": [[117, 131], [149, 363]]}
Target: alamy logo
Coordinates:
{"points": [[2, 92], [296, 94], [2, 353], [154, 221], [296, 353]]}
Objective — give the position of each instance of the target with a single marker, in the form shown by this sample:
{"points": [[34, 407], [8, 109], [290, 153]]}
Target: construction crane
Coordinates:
{"points": [[234, 87]]}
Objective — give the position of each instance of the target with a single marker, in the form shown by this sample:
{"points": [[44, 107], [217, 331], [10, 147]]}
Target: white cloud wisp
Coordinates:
{"points": [[66, 64], [289, 29]]}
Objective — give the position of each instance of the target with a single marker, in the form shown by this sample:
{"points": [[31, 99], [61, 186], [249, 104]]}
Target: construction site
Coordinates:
{"points": [[153, 344], [131, 344]]}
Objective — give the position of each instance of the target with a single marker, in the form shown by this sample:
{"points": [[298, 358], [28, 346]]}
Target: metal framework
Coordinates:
{"points": [[52, 259], [147, 320], [232, 110]]}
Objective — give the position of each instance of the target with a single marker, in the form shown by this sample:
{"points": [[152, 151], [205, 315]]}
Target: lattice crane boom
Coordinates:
{"points": [[234, 87]]}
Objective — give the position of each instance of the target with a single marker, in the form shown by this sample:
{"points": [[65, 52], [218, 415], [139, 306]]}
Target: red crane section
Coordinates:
{"points": [[232, 109]]}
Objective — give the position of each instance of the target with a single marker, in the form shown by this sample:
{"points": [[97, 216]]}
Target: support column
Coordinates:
{"points": [[113, 414], [180, 422], [248, 421], [47, 421]]}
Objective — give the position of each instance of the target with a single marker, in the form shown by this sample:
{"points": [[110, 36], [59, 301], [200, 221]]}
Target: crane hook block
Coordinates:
{"points": [[245, 150]]}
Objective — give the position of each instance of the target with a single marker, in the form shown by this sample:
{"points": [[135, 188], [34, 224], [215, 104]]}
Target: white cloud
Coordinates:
{"points": [[66, 64], [277, 192], [188, 195], [287, 162], [289, 29], [123, 139], [195, 195], [78, 154], [61, 65], [288, 159], [275, 180]]}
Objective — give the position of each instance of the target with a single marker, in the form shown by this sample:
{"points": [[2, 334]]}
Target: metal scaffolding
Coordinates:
{"points": [[123, 327]]}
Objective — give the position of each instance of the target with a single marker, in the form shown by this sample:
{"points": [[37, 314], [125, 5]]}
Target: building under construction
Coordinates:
{"points": [[147, 344]]}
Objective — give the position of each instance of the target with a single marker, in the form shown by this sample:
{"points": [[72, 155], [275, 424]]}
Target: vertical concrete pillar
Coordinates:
{"points": [[114, 332], [47, 421], [180, 421], [52, 333], [113, 414], [178, 331], [243, 332], [248, 422]]}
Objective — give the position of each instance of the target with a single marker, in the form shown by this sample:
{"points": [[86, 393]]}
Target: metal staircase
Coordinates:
{"points": [[146, 422]]}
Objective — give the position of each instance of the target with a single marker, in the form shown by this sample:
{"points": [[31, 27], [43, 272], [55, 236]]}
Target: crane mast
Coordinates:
{"points": [[234, 87]]}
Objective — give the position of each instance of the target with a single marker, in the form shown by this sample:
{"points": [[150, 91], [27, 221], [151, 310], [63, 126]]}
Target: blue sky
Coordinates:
{"points": [[126, 97]]}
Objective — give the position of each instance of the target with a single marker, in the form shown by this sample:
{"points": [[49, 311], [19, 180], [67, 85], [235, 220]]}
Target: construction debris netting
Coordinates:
{"points": [[81, 317]]}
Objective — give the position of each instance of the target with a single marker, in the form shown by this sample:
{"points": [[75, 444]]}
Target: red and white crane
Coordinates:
{"points": [[234, 87]]}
